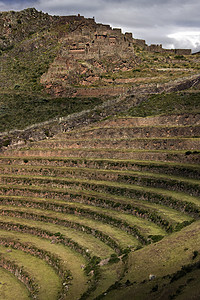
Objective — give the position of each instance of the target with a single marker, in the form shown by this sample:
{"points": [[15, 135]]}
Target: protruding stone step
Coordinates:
{"points": [[122, 143], [176, 169], [133, 132]]}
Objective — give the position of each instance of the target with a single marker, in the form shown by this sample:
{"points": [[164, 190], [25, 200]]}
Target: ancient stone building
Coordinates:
{"points": [[90, 50], [159, 49]]}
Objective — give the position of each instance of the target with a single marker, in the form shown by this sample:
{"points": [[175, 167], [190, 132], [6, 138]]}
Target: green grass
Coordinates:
{"points": [[173, 103], [50, 284], [170, 214], [92, 173], [87, 241], [110, 274], [37, 108], [119, 236], [145, 227], [130, 164], [10, 283], [71, 260], [161, 259], [113, 187]]}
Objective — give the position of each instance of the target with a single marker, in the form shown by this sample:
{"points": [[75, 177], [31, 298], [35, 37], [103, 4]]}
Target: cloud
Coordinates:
{"points": [[186, 39], [6, 5], [170, 22]]}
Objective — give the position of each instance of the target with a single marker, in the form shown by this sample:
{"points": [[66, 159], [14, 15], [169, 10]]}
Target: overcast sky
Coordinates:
{"points": [[173, 23]]}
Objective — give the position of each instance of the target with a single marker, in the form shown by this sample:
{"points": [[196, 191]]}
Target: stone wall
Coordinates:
{"points": [[87, 51], [158, 48], [183, 51], [20, 138]]}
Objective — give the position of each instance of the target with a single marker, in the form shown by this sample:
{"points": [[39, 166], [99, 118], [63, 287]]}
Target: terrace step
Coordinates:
{"points": [[132, 132], [52, 260], [32, 230], [120, 143], [190, 186], [137, 207], [84, 240], [111, 236], [10, 283], [90, 222], [71, 260], [66, 255], [113, 187], [180, 156], [176, 169], [100, 205], [48, 286]]}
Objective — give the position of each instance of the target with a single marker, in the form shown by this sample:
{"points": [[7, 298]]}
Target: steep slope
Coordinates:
{"points": [[117, 193], [102, 195], [47, 61]]}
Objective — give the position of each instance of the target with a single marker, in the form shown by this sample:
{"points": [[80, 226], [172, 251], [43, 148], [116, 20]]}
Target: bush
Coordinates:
{"points": [[6, 143], [155, 238], [179, 57], [154, 288], [113, 258], [195, 253]]}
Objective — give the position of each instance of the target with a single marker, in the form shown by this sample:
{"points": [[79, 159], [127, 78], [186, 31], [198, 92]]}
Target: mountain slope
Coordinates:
{"points": [[49, 57]]}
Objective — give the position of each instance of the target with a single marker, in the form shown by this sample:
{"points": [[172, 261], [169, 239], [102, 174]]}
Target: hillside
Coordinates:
{"points": [[49, 64], [102, 206], [99, 163]]}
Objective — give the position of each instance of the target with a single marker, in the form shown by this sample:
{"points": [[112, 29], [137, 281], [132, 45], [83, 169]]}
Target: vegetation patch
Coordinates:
{"points": [[37, 109], [181, 102]]}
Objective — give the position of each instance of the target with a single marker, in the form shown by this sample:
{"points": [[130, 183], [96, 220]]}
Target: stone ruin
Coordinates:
{"points": [[160, 49], [92, 37], [88, 50]]}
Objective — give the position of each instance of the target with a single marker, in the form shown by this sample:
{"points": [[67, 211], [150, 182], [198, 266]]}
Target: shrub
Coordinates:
{"points": [[6, 143], [195, 253], [188, 152], [154, 288], [113, 258]]}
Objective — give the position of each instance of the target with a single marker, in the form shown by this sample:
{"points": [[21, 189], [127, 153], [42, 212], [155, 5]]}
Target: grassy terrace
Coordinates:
{"points": [[85, 201], [179, 156], [48, 286], [70, 259], [116, 237], [83, 239], [119, 143], [108, 202], [145, 226], [99, 163], [113, 187], [178, 183], [102, 151], [8, 283]]}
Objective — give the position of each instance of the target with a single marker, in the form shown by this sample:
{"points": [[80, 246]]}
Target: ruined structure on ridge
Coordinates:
{"points": [[89, 50], [159, 49]]}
